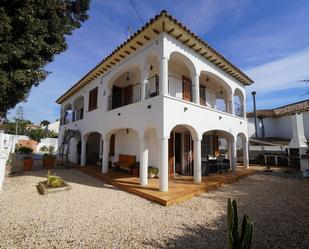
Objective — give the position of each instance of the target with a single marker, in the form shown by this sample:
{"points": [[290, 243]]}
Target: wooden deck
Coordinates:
{"points": [[181, 188]]}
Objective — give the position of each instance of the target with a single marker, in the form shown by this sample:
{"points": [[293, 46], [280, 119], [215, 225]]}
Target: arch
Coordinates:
{"points": [[93, 141], [122, 72], [78, 108], [192, 130], [67, 114], [242, 148], [215, 92], [179, 57], [239, 100]]}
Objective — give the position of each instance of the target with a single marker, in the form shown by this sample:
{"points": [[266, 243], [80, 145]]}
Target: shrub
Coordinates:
{"points": [[44, 148], [48, 156], [24, 150], [51, 149]]}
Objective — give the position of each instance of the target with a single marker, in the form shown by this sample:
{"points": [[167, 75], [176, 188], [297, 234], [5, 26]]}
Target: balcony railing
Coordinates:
{"points": [[152, 87], [238, 110], [123, 97]]}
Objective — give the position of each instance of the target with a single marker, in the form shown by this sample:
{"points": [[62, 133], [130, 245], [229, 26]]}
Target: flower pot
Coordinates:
{"points": [[151, 175], [48, 163], [28, 163]]}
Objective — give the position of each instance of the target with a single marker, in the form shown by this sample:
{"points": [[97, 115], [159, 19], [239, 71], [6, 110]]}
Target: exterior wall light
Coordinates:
{"points": [[185, 109], [220, 117], [240, 122], [149, 107], [119, 114]]}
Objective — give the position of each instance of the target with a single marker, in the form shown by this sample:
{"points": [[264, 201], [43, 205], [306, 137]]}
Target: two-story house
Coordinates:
{"points": [[166, 97]]}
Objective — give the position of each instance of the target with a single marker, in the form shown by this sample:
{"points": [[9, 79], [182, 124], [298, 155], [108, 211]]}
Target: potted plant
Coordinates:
{"points": [[27, 159], [135, 169], [152, 172], [49, 160]]}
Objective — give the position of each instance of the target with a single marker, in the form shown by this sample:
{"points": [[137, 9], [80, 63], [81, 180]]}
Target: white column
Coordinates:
{"points": [[197, 161], [163, 170], [246, 153], [234, 155], [144, 76], [229, 153], [143, 175], [232, 110], [105, 156], [244, 109], [196, 84], [163, 78], [83, 152]]}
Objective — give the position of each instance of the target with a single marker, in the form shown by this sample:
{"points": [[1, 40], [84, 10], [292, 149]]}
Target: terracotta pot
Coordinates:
{"points": [[48, 163], [28, 164]]}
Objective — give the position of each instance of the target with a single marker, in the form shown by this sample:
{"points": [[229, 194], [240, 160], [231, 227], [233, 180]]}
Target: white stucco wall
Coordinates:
{"points": [[160, 113], [280, 127]]}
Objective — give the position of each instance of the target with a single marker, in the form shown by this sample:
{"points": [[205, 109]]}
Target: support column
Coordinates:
{"points": [[105, 156], [229, 153], [234, 155], [143, 175], [144, 76], [246, 153], [243, 105], [163, 170], [231, 102], [83, 152], [196, 84], [163, 79], [197, 161]]}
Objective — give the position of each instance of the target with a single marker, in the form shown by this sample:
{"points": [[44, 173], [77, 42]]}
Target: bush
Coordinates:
{"points": [[24, 150], [44, 148], [48, 156], [51, 149]]}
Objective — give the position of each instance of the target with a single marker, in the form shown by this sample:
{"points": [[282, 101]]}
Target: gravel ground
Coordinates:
{"points": [[94, 215]]}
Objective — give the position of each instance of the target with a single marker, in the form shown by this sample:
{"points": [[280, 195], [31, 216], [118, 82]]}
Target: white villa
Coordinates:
{"points": [[164, 96]]}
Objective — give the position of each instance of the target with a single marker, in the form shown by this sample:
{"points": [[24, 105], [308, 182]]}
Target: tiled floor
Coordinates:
{"points": [[181, 188]]}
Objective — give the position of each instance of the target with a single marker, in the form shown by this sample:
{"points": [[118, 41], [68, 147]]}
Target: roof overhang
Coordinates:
{"points": [[160, 23]]}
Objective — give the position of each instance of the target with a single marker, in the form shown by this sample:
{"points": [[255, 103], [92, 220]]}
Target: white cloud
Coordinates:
{"points": [[280, 74]]}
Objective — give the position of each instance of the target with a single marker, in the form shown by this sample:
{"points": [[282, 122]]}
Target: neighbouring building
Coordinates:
{"points": [[54, 126], [164, 96], [277, 123]]}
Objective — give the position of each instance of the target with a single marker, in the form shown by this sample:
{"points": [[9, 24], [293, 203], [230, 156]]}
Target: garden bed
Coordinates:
{"points": [[44, 188]]}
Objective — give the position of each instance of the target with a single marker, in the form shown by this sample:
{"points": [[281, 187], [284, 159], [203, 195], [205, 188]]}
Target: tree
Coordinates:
{"points": [[10, 127], [31, 33], [44, 123], [36, 134]]}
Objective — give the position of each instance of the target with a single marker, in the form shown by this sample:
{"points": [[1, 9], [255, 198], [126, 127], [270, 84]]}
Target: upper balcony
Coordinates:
{"points": [[175, 77]]}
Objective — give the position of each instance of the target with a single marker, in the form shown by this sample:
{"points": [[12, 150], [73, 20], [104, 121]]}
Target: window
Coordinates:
{"points": [[93, 99]]}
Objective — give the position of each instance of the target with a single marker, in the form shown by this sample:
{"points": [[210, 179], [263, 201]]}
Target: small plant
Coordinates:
{"points": [[44, 148], [48, 156], [51, 149], [24, 150], [244, 240], [54, 181]]}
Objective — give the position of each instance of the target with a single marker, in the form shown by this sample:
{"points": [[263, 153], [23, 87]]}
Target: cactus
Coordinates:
{"points": [[235, 241]]}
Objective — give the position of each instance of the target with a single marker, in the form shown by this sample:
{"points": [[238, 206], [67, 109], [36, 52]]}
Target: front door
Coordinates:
{"points": [[186, 89], [188, 154]]}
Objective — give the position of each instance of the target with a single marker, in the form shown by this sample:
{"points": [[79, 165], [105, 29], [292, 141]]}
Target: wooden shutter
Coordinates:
{"points": [[202, 95], [112, 145], [93, 99], [186, 89], [128, 95]]}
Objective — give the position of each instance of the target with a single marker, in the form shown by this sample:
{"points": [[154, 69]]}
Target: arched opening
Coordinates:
{"points": [[125, 88], [216, 155], [239, 103], [242, 149], [67, 114], [78, 108], [181, 150], [215, 92], [123, 145], [180, 73], [94, 149], [151, 75]]}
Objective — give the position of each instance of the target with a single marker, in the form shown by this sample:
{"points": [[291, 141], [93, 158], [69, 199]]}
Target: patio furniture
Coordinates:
{"points": [[216, 165], [125, 162]]}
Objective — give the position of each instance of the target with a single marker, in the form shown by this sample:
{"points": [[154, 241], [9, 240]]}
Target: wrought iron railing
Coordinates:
{"points": [[122, 98], [152, 87]]}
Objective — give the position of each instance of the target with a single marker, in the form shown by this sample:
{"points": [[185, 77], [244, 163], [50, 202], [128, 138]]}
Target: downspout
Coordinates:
{"points": [[255, 114]]}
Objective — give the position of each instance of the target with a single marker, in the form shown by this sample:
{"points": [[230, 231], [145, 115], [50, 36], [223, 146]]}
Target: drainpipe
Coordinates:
{"points": [[255, 114]]}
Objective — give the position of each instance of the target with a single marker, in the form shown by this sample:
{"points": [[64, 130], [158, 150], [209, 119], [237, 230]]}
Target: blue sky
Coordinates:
{"points": [[268, 40]]}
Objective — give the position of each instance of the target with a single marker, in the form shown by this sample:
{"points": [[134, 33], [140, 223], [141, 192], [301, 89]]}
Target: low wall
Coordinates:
{"points": [[18, 163], [2, 171]]}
